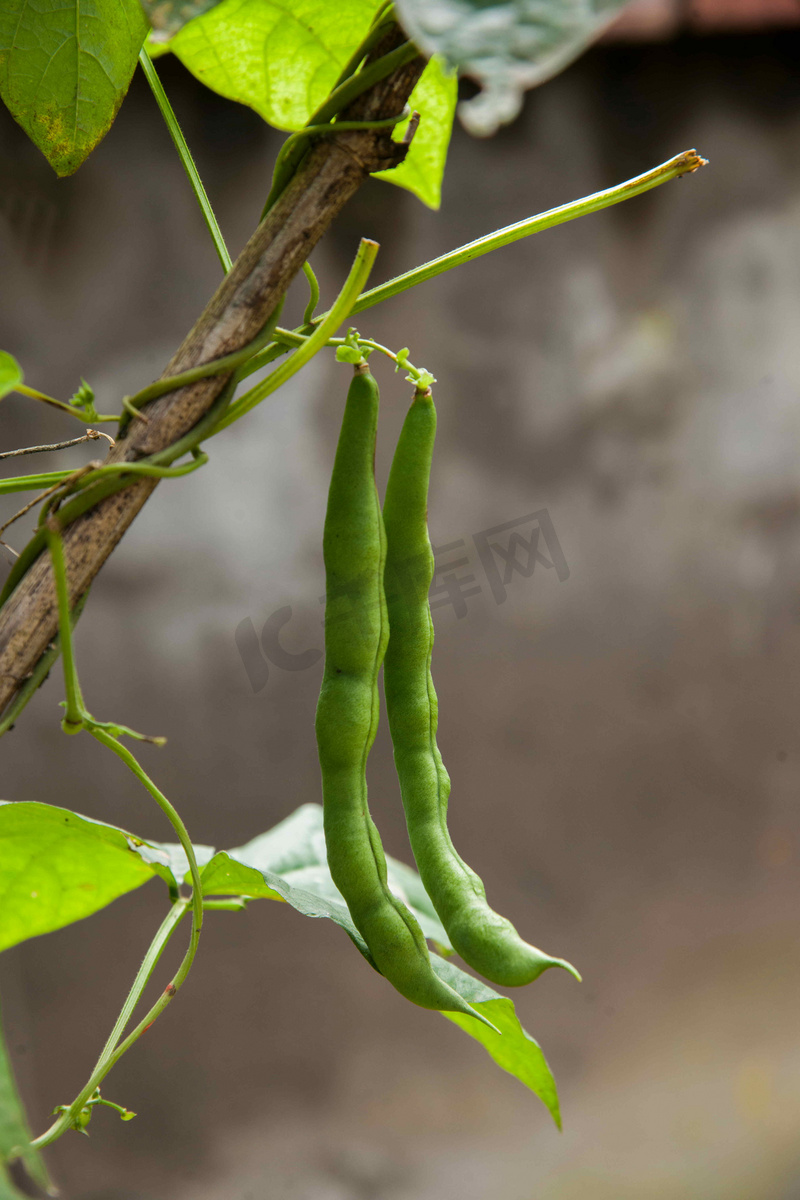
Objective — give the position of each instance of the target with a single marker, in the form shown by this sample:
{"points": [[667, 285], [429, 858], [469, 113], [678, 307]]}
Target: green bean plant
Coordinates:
{"points": [[358, 96]]}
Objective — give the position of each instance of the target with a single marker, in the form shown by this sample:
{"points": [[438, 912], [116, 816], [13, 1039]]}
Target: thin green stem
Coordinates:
{"points": [[112, 1054], [350, 85], [114, 1050], [187, 162], [353, 87], [72, 410], [217, 366], [31, 483], [170, 812], [383, 18], [682, 164], [359, 273], [74, 709], [149, 962], [296, 145], [39, 673], [313, 290], [270, 353], [76, 719], [115, 470]]}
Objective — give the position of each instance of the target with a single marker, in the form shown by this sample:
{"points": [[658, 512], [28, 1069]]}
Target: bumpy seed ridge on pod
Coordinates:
{"points": [[484, 939]]}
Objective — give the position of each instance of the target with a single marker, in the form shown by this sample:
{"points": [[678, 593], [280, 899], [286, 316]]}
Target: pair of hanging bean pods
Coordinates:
{"points": [[361, 547]]}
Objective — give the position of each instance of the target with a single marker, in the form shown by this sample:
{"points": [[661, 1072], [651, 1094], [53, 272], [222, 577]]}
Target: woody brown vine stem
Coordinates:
{"points": [[331, 173]]}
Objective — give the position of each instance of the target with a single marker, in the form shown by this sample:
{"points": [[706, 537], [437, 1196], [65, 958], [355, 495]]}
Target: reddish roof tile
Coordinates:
{"points": [[656, 19]]}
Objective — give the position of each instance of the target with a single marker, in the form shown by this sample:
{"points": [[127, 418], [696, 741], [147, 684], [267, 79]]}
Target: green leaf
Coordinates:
{"points": [[168, 16], [168, 859], [65, 66], [434, 98], [506, 45], [280, 59], [14, 1133], [513, 1048], [10, 373], [57, 867], [288, 863]]}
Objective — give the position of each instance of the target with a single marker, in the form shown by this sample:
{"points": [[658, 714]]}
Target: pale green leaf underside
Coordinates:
{"points": [[14, 1132], [290, 860], [57, 867], [289, 863], [506, 45], [10, 373], [65, 66]]}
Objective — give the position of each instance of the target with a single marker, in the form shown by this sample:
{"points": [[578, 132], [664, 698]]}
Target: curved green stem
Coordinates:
{"points": [[149, 962], [78, 718], [349, 86], [217, 366], [313, 290], [353, 87], [39, 673], [359, 273], [682, 164], [72, 410], [296, 145], [176, 133], [112, 1051], [75, 708], [380, 22], [116, 470], [31, 483], [270, 353], [171, 813]]}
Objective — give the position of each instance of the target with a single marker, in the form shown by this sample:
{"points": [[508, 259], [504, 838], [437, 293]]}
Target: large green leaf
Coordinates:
{"points": [[512, 1048], [65, 66], [10, 373], [57, 867], [434, 98], [283, 61], [14, 1132], [506, 45], [289, 863], [280, 59]]}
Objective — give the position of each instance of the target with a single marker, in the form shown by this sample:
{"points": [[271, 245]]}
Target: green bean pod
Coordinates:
{"points": [[484, 939], [356, 631]]}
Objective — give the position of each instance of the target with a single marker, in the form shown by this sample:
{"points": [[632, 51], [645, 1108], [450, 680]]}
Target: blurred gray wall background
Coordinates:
{"points": [[623, 744]]}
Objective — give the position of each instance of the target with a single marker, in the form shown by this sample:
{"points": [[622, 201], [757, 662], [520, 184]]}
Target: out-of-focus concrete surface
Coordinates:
{"points": [[623, 743]]}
